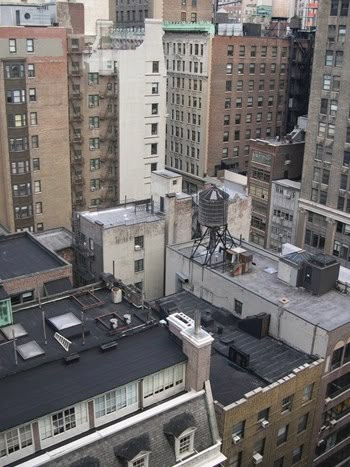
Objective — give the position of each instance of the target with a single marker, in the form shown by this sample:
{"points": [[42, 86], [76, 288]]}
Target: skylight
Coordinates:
{"points": [[16, 329], [65, 321], [30, 350]]}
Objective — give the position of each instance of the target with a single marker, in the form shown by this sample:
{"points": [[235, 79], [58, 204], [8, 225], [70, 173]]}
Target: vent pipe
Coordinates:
{"points": [[197, 322]]}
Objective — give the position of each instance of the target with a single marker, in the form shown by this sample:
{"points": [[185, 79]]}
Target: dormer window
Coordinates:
{"points": [[141, 460], [184, 444]]}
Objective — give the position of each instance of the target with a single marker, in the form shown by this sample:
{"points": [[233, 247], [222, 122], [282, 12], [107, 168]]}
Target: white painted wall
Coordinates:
{"points": [[135, 118]]}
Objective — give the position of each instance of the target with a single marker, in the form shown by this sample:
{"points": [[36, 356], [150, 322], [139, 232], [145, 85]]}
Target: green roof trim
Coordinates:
{"points": [[202, 26]]}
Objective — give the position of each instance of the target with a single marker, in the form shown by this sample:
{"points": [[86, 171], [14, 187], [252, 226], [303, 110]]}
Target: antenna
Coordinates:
{"points": [[14, 346], [44, 329], [83, 326]]}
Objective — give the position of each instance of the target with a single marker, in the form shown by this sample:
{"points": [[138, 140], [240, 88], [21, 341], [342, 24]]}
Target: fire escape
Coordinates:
{"points": [[75, 120], [109, 141]]}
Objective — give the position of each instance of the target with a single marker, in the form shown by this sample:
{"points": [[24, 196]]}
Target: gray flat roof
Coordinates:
{"points": [[55, 239], [269, 359], [128, 215], [21, 254], [329, 311], [288, 183]]}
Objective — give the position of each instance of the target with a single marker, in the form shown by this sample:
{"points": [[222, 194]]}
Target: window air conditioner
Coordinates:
{"points": [[320, 442], [92, 148], [137, 247], [92, 168], [91, 105], [257, 458], [333, 423], [90, 83], [265, 423], [327, 400], [236, 439], [91, 127], [323, 427], [93, 188]]}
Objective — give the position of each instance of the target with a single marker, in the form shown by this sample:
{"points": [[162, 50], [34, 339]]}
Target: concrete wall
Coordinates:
{"points": [[118, 245], [239, 216], [221, 291]]}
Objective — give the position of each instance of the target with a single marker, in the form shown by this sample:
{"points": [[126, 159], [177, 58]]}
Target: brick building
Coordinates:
{"points": [[34, 140], [248, 97], [271, 159], [28, 270], [324, 217], [265, 392]]}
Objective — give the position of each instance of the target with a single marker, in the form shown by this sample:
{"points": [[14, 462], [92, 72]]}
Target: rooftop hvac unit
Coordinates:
{"points": [[265, 423], [236, 439], [257, 458]]}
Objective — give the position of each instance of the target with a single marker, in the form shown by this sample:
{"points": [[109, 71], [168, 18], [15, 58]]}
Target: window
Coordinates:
{"points": [[193, 17], [263, 51], [230, 50], [341, 34], [227, 103], [263, 415], [116, 400], [278, 462], [94, 122], [251, 68], [228, 86], [238, 429], [229, 67], [226, 120], [336, 358], [30, 45], [297, 454], [139, 265], [240, 68], [259, 447], [250, 101], [307, 393], [253, 51], [33, 118], [339, 54], [328, 58], [184, 444], [20, 167], [15, 439], [287, 404], [95, 184], [334, 7], [154, 109], [282, 435], [139, 241], [93, 78], [36, 164], [39, 208], [94, 143], [14, 71], [238, 103], [154, 149], [58, 423], [155, 67], [344, 8], [236, 460], [17, 120], [262, 68], [18, 144], [139, 461], [12, 46], [327, 79], [93, 100], [238, 307], [226, 136], [37, 186], [155, 88], [241, 50], [302, 423], [95, 164], [16, 96]]}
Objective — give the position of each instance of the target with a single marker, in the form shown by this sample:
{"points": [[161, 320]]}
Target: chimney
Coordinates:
{"points": [[196, 345]]}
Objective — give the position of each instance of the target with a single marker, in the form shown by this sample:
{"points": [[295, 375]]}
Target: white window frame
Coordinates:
{"points": [[187, 433], [142, 456], [20, 431]]}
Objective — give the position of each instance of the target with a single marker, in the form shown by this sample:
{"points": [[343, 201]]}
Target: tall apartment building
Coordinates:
{"points": [[248, 97], [117, 114], [307, 11], [187, 51], [35, 191], [271, 159], [324, 215]]}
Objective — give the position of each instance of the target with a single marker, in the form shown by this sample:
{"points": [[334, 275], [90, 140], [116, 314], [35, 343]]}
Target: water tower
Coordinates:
{"points": [[212, 216]]}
